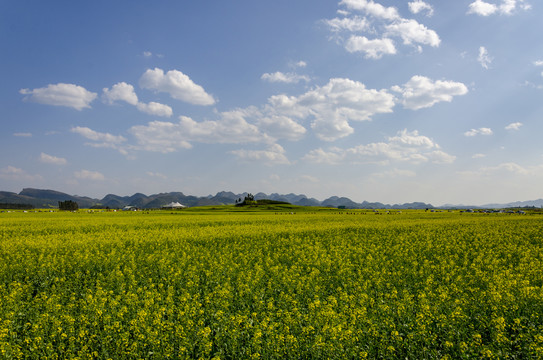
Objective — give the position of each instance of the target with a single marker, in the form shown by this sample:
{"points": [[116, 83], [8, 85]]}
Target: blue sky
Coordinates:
{"points": [[434, 101]]}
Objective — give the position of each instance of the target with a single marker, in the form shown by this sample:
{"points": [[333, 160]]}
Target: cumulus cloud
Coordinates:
{"points": [[371, 8], [160, 136], [231, 128], [404, 147], [275, 154], [125, 92], [16, 174], [89, 175], [421, 92], [483, 57], [177, 84], [513, 126], [538, 63], [373, 49], [412, 32], [418, 6], [288, 78], [333, 105], [505, 7], [330, 109], [480, 131], [482, 8], [97, 136], [332, 157], [154, 108], [281, 127], [354, 24], [50, 159], [101, 140], [120, 92], [61, 94], [383, 23]]}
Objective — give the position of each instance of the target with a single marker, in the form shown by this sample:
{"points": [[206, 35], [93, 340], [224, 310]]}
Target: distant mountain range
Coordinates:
{"points": [[50, 198]]}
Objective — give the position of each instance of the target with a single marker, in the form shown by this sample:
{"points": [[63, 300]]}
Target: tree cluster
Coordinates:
{"points": [[248, 200], [68, 205]]}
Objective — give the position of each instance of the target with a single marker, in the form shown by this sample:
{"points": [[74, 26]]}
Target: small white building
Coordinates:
{"points": [[173, 205]]}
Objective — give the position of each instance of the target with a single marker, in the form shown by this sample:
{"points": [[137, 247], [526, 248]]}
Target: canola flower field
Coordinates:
{"points": [[322, 284]]}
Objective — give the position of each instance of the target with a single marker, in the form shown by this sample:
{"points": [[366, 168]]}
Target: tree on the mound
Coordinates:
{"points": [[68, 205]]}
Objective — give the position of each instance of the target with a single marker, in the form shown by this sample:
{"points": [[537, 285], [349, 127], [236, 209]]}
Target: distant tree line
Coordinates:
{"points": [[68, 205], [16, 206], [250, 200]]}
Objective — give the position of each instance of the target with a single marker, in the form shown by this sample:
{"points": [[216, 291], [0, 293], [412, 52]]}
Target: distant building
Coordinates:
{"points": [[173, 205]]}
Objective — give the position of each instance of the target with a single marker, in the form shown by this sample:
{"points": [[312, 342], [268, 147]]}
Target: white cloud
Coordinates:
{"points": [[372, 8], [89, 175], [374, 49], [177, 84], [506, 7], [483, 57], [284, 77], [331, 129], [513, 126], [480, 131], [11, 170], [354, 24], [332, 106], [16, 174], [61, 94], [120, 92], [275, 154], [301, 64], [441, 157], [231, 128], [418, 6], [97, 136], [160, 136], [50, 159], [149, 54], [421, 92], [320, 156], [386, 23], [281, 127], [125, 92], [404, 147], [478, 156], [154, 108], [538, 63], [482, 8], [23, 134], [412, 32]]}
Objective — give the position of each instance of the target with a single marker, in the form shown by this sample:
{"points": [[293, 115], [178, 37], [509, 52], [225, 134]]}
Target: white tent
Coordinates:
{"points": [[173, 205]]}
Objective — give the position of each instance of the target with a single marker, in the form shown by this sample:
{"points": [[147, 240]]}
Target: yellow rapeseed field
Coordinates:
{"points": [[320, 284]]}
